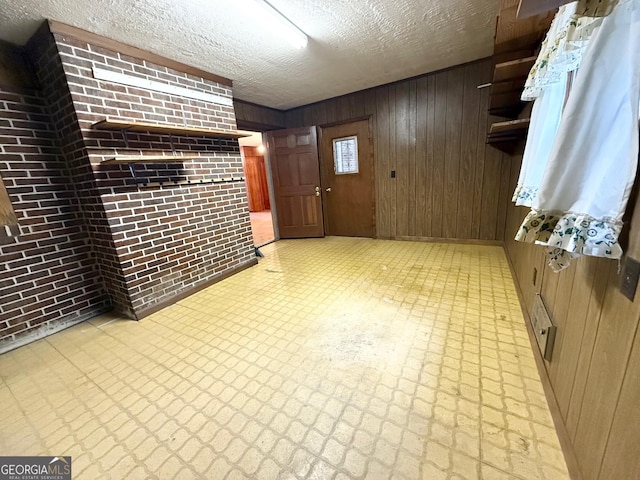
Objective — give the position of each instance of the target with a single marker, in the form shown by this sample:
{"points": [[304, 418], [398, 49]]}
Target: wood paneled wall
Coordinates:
{"points": [[431, 130], [595, 369], [250, 116]]}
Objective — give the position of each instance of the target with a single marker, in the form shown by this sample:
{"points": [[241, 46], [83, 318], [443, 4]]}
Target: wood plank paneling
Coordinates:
{"points": [[567, 351], [549, 289], [439, 143], [383, 161], [453, 125], [431, 134], [585, 356], [411, 158], [504, 196], [481, 147], [595, 369], [393, 159], [468, 151], [431, 130], [610, 355], [621, 458], [490, 190], [403, 166], [250, 116], [423, 159]]}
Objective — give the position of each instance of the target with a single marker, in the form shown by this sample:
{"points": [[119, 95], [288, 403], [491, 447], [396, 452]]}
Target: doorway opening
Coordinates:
{"points": [[258, 190], [323, 187]]}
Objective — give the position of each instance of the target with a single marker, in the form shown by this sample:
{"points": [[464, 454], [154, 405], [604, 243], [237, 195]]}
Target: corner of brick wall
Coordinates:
{"points": [[48, 276], [46, 60], [167, 239], [91, 237]]}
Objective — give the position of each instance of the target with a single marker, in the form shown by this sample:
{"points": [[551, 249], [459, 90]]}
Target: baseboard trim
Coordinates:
{"points": [[461, 241], [145, 312], [563, 435], [49, 329]]}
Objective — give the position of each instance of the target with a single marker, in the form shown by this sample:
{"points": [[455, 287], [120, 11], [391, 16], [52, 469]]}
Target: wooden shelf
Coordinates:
{"points": [[508, 81], [505, 135], [529, 8], [512, 127], [515, 69], [505, 98], [150, 159], [131, 126], [526, 42]]}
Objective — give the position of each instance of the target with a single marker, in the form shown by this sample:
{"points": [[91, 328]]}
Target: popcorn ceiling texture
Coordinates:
{"points": [[353, 45]]}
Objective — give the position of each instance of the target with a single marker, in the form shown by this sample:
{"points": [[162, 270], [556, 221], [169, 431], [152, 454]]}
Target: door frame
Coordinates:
{"points": [[369, 120], [272, 195]]}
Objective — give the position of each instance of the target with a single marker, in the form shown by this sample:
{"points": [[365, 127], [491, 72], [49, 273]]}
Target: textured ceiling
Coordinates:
{"points": [[353, 44]]}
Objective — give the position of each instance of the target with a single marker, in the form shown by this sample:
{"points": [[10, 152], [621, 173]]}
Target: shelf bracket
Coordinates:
{"points": [[125, 137], [173, 149]]}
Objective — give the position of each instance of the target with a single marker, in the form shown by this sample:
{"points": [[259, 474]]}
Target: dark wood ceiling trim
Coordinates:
{"points": [[100, 41], [253, 104]]}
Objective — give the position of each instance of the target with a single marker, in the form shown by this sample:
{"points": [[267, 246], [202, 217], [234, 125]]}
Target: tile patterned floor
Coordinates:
{"points": [[262, 227], [334, 358]]}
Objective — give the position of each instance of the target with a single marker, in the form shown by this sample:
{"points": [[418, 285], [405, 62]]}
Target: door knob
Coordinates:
{"points": [[328, 189], [317, 191]]}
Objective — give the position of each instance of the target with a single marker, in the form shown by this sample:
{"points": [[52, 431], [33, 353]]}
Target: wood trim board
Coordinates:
{"points": [[458, 241], [145, 312]]}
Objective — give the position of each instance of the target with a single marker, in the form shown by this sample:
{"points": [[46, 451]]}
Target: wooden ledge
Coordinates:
{"points": [[133, 126]]}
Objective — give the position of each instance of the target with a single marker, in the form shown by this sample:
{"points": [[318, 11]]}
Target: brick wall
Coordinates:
{"points": [[91, 236], [165, 239], [48, 277], [48, 69]]}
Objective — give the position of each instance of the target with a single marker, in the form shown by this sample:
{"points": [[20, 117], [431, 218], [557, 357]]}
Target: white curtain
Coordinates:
{"points": [[545, 119], [592, 162]]}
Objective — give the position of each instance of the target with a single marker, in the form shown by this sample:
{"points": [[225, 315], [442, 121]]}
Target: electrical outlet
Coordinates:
{"points": [[393, 174], [629, 280]]}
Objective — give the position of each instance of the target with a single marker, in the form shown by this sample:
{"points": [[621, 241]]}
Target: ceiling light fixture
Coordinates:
{"points": [[281, 25]]}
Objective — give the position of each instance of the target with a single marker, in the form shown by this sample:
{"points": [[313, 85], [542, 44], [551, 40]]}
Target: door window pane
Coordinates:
{"points": [[345, 155]]}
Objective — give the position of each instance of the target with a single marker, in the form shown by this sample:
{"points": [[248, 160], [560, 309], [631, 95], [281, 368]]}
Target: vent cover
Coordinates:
{"points": [[543, 329]]}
